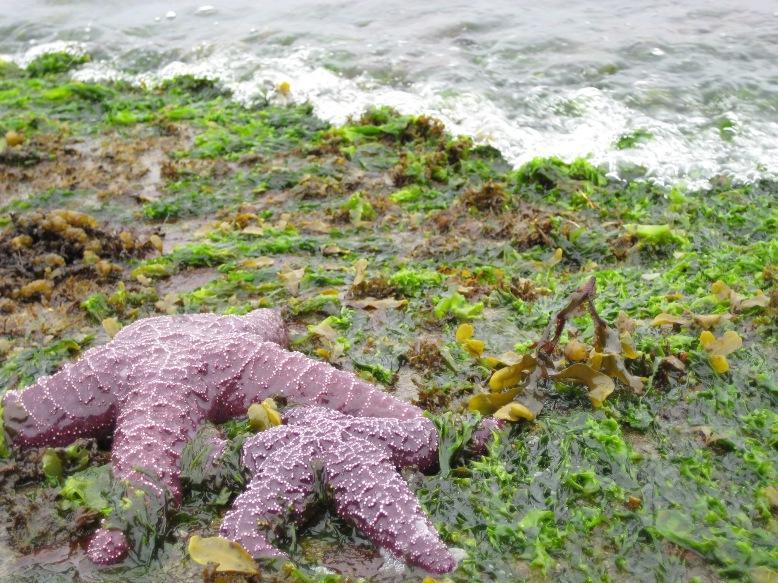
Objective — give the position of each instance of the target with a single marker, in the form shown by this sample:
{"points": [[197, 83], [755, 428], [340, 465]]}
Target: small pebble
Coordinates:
{"points": [[13, 138]]}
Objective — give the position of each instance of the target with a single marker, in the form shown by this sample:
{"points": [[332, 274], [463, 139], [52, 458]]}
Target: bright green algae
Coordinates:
{"points": [[269, 206]]}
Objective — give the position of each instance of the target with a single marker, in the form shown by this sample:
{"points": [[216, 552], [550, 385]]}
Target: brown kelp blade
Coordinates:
{"points": [[605, 364]]}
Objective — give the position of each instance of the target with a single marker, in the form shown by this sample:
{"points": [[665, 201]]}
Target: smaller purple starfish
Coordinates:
{"points": [[356, 459]]}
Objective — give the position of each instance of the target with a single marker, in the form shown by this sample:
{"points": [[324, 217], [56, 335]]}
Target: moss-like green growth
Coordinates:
{"points": [[726, 129], [89, 488], [632, 139], [97, 306], [358, 208], [27, 365], [456, 305], [320, 303], [54, 63], [547, 173], [411, 282], [655, 234], [202, 89]]}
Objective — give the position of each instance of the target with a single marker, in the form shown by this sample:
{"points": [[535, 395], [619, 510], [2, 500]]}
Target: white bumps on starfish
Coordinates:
{"points": [[159, 379], [356, 458]]}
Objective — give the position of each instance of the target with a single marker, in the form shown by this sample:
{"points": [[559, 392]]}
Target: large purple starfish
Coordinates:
{"points": [[356, 458], [159, 379]]}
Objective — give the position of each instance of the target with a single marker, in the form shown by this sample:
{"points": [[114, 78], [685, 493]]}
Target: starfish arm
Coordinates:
{"points": [[412, 442], [264, 445], [107, 546], [75, 402], [157, 419], [370, 493], [282, 488], [271, 370], [267, 325]]}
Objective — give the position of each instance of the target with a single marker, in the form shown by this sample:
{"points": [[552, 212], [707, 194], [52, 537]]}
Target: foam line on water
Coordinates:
{"points": [[581, 122]]}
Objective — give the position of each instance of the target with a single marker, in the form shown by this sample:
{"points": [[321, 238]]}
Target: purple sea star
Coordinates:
{"points": [[356, 459], [159, 379]]}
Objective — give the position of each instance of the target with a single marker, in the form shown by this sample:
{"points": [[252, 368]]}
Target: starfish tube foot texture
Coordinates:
{"points": [[107, 547], [160, 379], [356, 459]]}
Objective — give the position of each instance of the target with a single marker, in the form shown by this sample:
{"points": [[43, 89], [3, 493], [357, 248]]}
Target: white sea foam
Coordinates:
{"points": [[583, 122]]}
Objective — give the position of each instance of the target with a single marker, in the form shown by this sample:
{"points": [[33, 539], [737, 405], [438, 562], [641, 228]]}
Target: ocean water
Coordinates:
{"points": [[568, 78]]}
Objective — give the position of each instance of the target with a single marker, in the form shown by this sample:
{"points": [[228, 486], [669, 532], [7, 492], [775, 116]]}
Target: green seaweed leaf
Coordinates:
{"points": [[456, 305], [89, 488]]}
